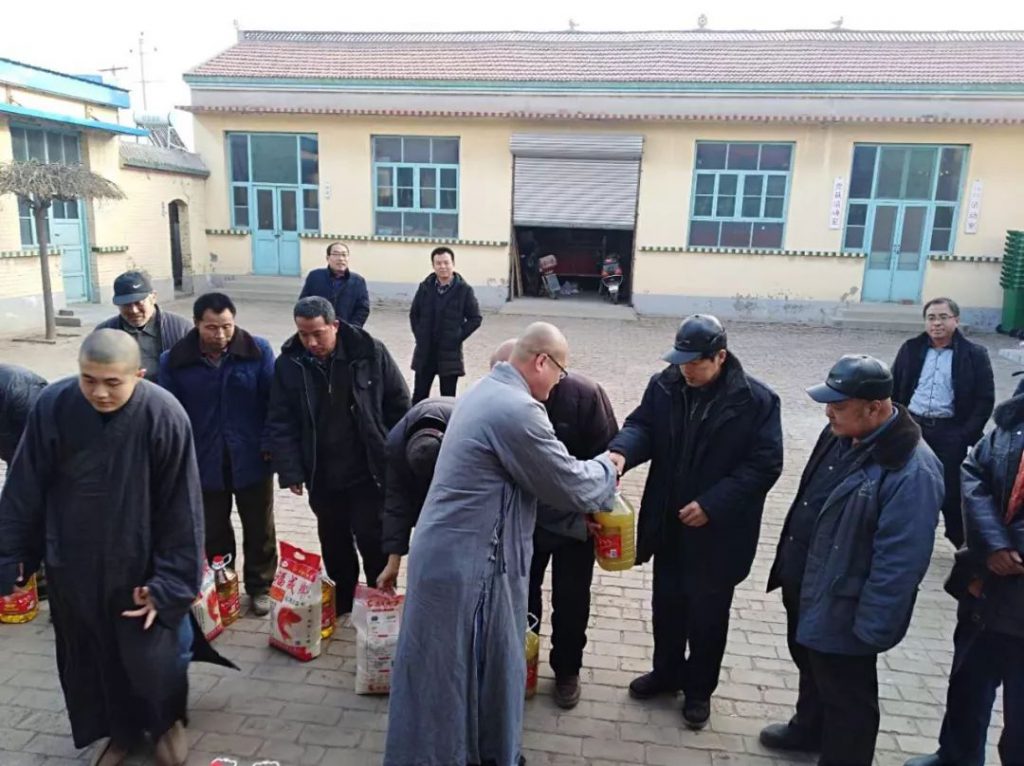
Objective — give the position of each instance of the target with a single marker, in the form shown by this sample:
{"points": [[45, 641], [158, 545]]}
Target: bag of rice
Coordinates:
{"points": [[206, 607], [376, 616], [296, 604]]}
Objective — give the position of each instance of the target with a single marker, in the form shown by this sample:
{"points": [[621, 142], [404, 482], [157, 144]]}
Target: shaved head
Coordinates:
{"points": [[540, 355], [504, 352], [541, 338], [110, 347], [109, 368]]}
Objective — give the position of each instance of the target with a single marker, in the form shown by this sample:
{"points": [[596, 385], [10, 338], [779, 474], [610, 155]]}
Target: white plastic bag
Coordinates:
{"points": [[377, 617], [206, 607], [296, 604]]}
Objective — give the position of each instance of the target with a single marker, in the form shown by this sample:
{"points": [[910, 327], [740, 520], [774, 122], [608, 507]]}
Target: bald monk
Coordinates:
{"points": [[584, 421], [105, 490], [460, 672]]}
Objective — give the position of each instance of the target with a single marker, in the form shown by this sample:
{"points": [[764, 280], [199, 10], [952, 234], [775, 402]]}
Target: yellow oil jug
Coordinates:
{"points": [[532, 654], [328, 606], [615, 543], [22, 606]]}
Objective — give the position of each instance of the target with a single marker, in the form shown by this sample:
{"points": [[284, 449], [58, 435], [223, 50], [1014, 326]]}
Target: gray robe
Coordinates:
{"points": [[460, 671]]}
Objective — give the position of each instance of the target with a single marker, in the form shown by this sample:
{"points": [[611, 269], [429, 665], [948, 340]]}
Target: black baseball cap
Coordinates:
{"points": [[854, 376], [131, 287], [699, 335]]}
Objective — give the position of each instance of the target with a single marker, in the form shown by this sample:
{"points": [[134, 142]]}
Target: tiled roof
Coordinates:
{"points": [[149, 157], [563, 115], [693, 57]]}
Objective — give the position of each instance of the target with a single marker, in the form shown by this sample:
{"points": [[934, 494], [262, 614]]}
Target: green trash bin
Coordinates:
{"points": [[1013, 310], [1011, 279]]}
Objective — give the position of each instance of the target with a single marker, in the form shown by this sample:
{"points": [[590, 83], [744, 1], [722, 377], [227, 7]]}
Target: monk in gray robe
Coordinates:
{"points": [[460, 672], [105, 489]]}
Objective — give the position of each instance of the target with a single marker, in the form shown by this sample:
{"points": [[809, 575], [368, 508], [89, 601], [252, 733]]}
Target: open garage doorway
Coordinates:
{"points": [[575, 198]]}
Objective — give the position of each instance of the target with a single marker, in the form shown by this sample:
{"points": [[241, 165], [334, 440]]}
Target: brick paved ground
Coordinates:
{"points": [[279, 709]]}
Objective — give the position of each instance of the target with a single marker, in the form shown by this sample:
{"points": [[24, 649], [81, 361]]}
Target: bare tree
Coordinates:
{"points": [[40, 185]]}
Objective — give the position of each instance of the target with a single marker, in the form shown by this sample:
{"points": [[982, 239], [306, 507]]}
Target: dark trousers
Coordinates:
{"points": [[688, 616], [983, 660], [837, 704], [947, 442], [571, 575], [259, 544], [425, 379], [342, 515]]}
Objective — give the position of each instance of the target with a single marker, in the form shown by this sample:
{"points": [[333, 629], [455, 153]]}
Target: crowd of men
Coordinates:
{"points": [[122, 479]]}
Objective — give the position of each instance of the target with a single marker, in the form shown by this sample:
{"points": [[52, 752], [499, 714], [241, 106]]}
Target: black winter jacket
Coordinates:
{"points": [[19, 389], [737, 460], [379, 392], [459, 319], [352, 300], [974, 392], [404, 493], [988, 475], [584, 422]]}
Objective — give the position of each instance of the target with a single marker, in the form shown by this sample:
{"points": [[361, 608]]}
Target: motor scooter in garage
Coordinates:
{"points": [[611, 277], [548, 277]]}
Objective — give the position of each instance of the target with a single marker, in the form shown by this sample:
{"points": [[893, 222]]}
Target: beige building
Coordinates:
{"points": [[158, 227], [754, 174], [764, 175]]}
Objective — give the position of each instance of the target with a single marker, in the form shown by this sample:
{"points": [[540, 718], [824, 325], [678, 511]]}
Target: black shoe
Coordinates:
{"points": [[567, 691], [783, 736], [696, 713], [928, 760], [650, 685]]}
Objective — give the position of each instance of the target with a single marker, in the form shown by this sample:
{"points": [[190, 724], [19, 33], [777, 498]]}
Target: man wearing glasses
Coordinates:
{"points": [[946, 383], [457, 687], [713, 435], [584, 421], [345, 289]]}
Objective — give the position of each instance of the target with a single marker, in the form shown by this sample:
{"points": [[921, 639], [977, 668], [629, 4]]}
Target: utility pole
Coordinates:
{"points": [[142, 67]]}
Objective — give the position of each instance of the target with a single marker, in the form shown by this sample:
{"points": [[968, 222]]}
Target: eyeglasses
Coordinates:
{"points": [[939, 317], [562, 372]]}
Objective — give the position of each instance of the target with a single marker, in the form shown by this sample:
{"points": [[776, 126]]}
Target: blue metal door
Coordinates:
{"points": [[265, 234], [288, 241], [276, 233], [66, 231], [896, 254]]}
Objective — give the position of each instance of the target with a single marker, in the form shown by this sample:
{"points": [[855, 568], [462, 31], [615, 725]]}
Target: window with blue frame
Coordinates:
{"points": [[905, 173], [740, 191], [281, 160], [49, 146], [416, 186]]}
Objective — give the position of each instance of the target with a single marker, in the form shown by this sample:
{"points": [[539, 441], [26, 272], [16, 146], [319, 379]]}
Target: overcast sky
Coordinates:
{"points": [[81, 38]]}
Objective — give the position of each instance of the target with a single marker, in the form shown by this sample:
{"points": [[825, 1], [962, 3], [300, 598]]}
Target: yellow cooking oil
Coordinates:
{"points": [[532, 655], [615, 543], [21, 606]]}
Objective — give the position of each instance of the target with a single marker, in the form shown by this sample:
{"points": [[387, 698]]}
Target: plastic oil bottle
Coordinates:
{"points": [[328, 606], [532, 655], [615, 544], [22, 606], [228, 598]]}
